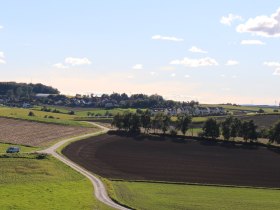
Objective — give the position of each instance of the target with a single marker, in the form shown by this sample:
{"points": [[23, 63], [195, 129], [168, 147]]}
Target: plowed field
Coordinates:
{"points": [[192, 161], [34, 133]]}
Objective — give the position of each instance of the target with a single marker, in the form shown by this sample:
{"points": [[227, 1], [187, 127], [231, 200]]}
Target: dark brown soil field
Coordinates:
{"points": [[175, 160]]}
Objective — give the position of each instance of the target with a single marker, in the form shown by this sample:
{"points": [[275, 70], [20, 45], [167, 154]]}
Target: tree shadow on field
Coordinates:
{"points": [[150, 137], [274, 149], [189, 139], [229, 144]]}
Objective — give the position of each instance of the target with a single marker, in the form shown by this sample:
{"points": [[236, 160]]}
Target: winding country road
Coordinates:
{"points": [[99, 188]]}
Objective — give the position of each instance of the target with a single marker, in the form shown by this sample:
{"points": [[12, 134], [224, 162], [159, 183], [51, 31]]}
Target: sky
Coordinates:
{"points": [[210, 51]]}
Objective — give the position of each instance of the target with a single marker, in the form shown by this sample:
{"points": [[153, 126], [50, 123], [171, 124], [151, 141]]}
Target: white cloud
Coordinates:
{"points": [[187, 76], [137, 66], [252, 42], [277, 72], [70, 61], [195, 49], [77, 61], [173, 75], [169, 38], [232, 63], [60, 66], [1, 27], [152, 73], [2, 58], [275, 65], [188, 62], [272, 64], [267, 26], [227, 20]]}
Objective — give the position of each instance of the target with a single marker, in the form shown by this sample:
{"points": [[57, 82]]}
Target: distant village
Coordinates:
{"points": [[192, 111], [28, 95], [105, 101]]}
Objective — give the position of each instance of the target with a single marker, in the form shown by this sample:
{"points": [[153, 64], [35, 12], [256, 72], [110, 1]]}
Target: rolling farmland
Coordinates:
{"points": [[35, 133]]}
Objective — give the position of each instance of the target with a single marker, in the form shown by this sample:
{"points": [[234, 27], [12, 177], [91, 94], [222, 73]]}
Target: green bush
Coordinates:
{"points": [[41, 156], [31, 114]]}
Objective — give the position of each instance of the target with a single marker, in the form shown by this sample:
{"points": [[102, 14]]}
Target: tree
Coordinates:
{"points": [[226, 127], [157, 121], [253, 134], [274, 134], [118, 121], [235, 128], [183, 123], [146, 121], [135, 123], [31, 114], [211, 128], [71, 112], [127, 121], [166, 120], [249, 131], [244, 131], [261, 111]]}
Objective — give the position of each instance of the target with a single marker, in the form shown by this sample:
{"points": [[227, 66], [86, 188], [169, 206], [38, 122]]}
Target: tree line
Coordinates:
{"points": [[160, 122], [229, 129], [17, 91]]}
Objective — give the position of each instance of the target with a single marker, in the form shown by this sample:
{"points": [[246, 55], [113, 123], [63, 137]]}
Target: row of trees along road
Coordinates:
{"points": [[230, 128], [133, 122]]}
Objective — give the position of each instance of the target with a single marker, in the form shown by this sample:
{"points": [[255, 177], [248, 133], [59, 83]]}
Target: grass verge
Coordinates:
{"points": [[142, 195], [24, 149]]}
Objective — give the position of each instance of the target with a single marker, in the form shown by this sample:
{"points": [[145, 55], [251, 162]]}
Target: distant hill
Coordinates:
{"points": [[24, 89]]}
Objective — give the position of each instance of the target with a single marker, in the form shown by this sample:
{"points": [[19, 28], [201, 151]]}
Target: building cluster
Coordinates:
{"points": [[193, 111]]}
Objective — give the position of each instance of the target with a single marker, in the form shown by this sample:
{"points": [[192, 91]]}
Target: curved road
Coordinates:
{"points": [[99, 188]]}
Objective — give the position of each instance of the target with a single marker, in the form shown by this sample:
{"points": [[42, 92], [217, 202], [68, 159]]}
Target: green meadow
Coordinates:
{"points": [[41, 116], [160, 196], [30, 183]]}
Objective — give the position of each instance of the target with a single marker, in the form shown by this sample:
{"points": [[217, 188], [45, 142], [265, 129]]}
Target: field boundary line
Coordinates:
{"points": [[193, 184]]}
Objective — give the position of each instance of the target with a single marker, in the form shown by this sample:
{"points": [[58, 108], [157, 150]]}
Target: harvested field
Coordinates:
{"points": [[35, 133], [263, 121], [175, 160]]}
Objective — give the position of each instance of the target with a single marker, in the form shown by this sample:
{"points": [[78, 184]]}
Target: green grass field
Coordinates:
{"points": [[241, 108], [58, 118], [146, 196], [29, 183], [24, 149], [83, 112]]}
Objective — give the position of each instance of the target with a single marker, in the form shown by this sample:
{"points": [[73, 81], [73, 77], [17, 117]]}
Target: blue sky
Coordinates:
{"points": [[211, 51]]}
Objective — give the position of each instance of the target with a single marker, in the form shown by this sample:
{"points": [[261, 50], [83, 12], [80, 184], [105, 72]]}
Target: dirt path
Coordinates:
{"points": [[99, 188]]}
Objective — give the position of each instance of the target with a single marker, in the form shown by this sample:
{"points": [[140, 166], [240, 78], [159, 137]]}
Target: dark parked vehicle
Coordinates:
{"points": [[12, 150]]}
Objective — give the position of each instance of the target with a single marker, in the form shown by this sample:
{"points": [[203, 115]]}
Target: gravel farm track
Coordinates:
{"points": [[176, 160], [36, 133]]}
